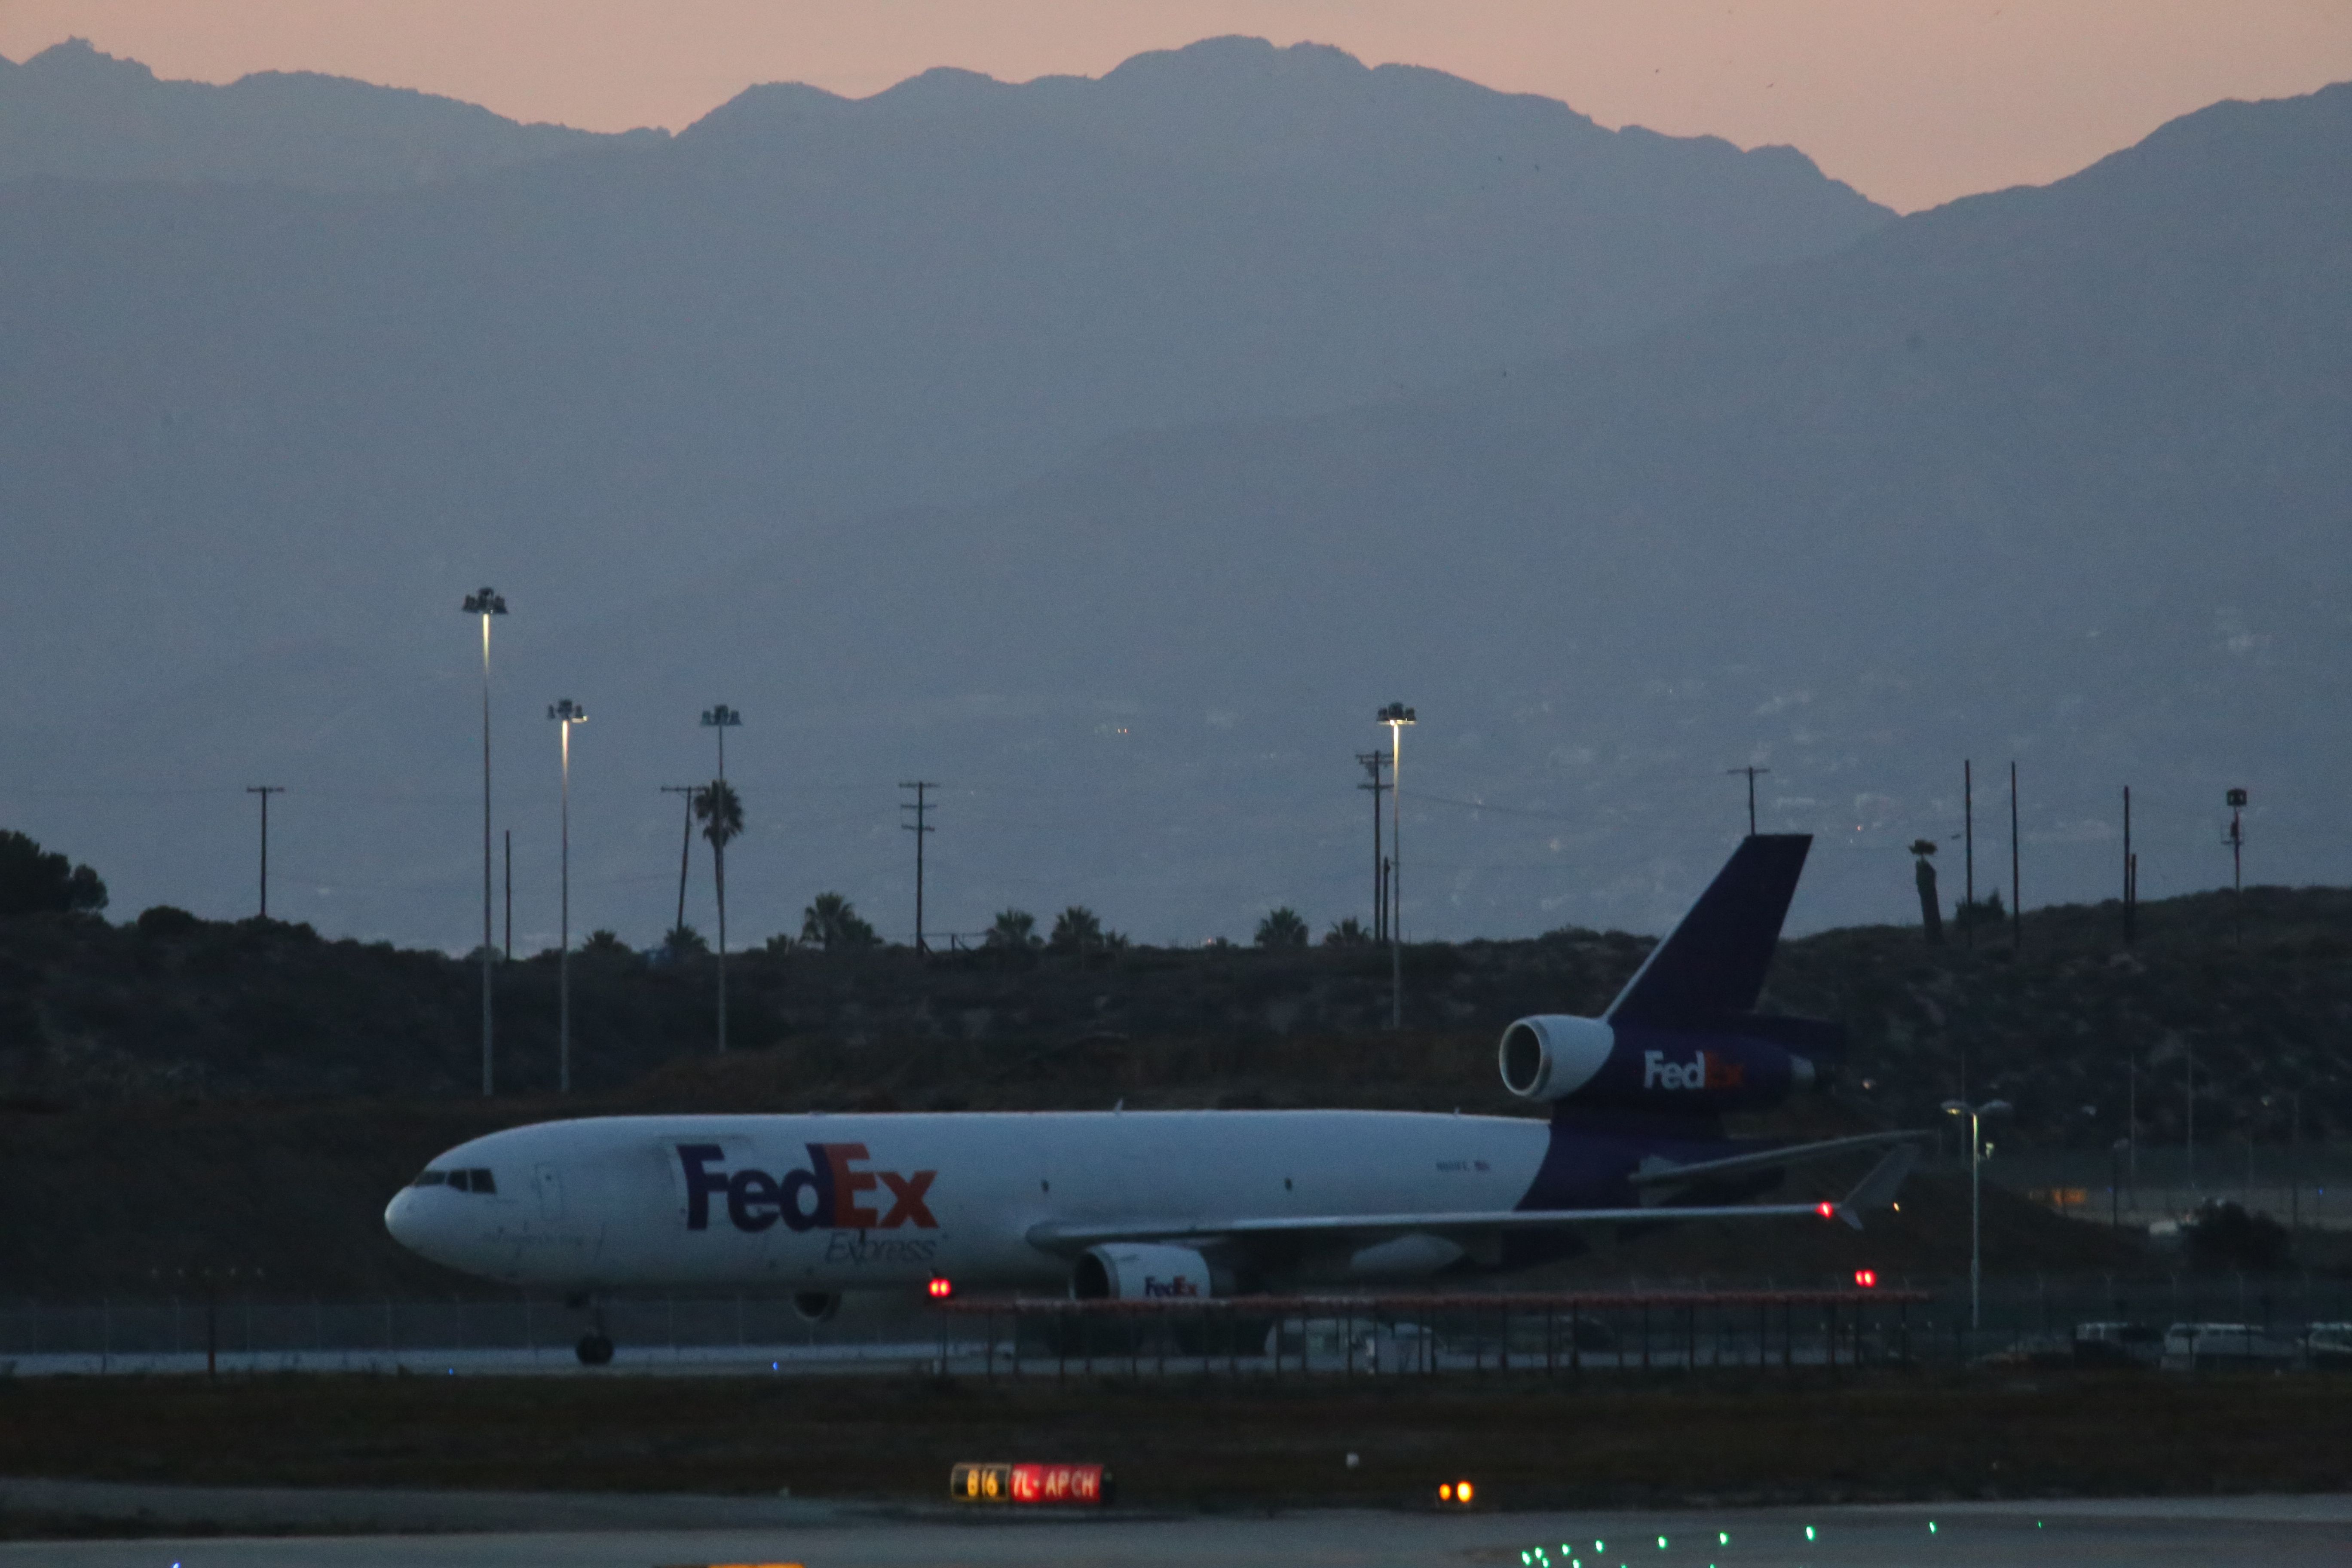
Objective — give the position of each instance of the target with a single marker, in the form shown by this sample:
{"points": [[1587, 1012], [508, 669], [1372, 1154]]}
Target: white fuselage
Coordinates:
{"points": [[829, 1202]]}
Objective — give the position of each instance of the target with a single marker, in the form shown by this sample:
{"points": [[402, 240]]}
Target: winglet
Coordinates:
{"points": [[1877, 1190]]}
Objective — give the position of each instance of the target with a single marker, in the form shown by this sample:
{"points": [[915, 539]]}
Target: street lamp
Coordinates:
{"points": [[566, 714], [1396, 716], [1976, 1115], [486, 604]]}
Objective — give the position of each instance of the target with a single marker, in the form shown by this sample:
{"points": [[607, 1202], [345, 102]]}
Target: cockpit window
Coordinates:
{"points": [[430, 1179], [483, 1182]]}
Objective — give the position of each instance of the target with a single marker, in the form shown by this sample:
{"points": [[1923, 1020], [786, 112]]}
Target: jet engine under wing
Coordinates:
{"points": [[1876, 1190], [1712, 965]]}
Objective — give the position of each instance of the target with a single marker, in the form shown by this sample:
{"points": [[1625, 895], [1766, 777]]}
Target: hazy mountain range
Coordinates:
{"points": [[75, 113], [1109, 450]]}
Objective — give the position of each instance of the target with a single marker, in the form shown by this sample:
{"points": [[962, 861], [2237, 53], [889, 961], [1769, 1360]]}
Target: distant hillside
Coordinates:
{"points": [[74, 113], [94, 1015]]}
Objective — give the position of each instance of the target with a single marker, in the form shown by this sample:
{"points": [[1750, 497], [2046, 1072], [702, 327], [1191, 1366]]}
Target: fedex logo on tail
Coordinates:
{"points": [[1705, 1070], [832, 1193]]}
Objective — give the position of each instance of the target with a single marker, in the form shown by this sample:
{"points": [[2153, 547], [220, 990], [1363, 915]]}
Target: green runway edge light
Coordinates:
{"points": [[1809, 1532]]}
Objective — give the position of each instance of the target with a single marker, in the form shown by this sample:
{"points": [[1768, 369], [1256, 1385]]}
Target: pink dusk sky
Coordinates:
{"points": [[1912, 101]]}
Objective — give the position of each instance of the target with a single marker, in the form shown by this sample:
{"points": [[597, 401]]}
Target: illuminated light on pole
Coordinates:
{"points": [[1866, 1279], [942, 1287], [566, 714], [1396, 716], [1976, 1115], [486, 604]]}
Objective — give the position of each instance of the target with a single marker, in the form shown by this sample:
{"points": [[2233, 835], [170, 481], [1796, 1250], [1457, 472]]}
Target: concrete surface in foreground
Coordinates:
{"points": [[617, 1532]]}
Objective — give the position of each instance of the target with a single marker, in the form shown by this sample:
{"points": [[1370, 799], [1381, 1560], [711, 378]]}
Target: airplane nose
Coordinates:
{"points": [[401, 1218]]}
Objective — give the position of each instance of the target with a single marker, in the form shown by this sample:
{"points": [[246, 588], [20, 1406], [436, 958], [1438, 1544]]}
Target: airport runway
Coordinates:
{"points": [[2270, 1532]]}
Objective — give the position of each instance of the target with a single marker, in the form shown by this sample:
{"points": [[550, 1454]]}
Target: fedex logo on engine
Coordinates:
{"points": [[1179, 1286], [832, 1193], [1704, 1070]]}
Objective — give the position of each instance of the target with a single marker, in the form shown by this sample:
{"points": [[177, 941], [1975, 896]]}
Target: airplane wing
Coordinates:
{"points": [[1665, 1174], [1876, 1190]]}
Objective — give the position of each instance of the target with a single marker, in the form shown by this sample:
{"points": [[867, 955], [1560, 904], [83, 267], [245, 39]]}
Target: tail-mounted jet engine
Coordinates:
{"points": [[1739, 1064], [1137, 1271], [1684, 1036]]}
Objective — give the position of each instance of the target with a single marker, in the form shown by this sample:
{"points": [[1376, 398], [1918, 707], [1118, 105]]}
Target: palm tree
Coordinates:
{"points": [[1349, 932], [831, 921], [720, 811], [1930, 915], [1282, 927], [1076, 929], [1013, 928]]}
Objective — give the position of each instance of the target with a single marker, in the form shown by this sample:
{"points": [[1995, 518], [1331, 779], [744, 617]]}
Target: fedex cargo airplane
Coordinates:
{"points": [[1134, 1204]]}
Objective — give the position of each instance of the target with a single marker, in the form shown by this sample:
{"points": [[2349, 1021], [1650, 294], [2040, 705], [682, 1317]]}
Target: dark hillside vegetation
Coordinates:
{"points": [[172, 1008]]}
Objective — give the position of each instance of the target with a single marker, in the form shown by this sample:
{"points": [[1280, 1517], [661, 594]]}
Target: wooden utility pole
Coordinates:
{"points": [[685, 845], [2016, 904], [1373, 763], [1751, 771], [2131, 874], [1968, 834], [265, 792], [920, 828]]}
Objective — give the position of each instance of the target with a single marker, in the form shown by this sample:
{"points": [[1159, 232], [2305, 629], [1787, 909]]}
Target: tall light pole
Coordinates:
{"points": [[721, 718], [566, 714], [1976, 1115], [486, 604], [1396, 716]]}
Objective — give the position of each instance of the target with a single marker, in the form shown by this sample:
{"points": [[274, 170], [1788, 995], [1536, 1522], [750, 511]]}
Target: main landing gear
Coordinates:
{"points": [[595, 1346]]}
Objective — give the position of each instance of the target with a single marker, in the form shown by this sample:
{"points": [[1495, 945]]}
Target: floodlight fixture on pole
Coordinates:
{"points": [[721, 718], [488, 602], [566, 714], [1976, 1115], [1396, 716]]}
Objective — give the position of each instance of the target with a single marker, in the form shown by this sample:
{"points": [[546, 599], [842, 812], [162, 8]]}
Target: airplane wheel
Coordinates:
{"points": [[595, 1349]]}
